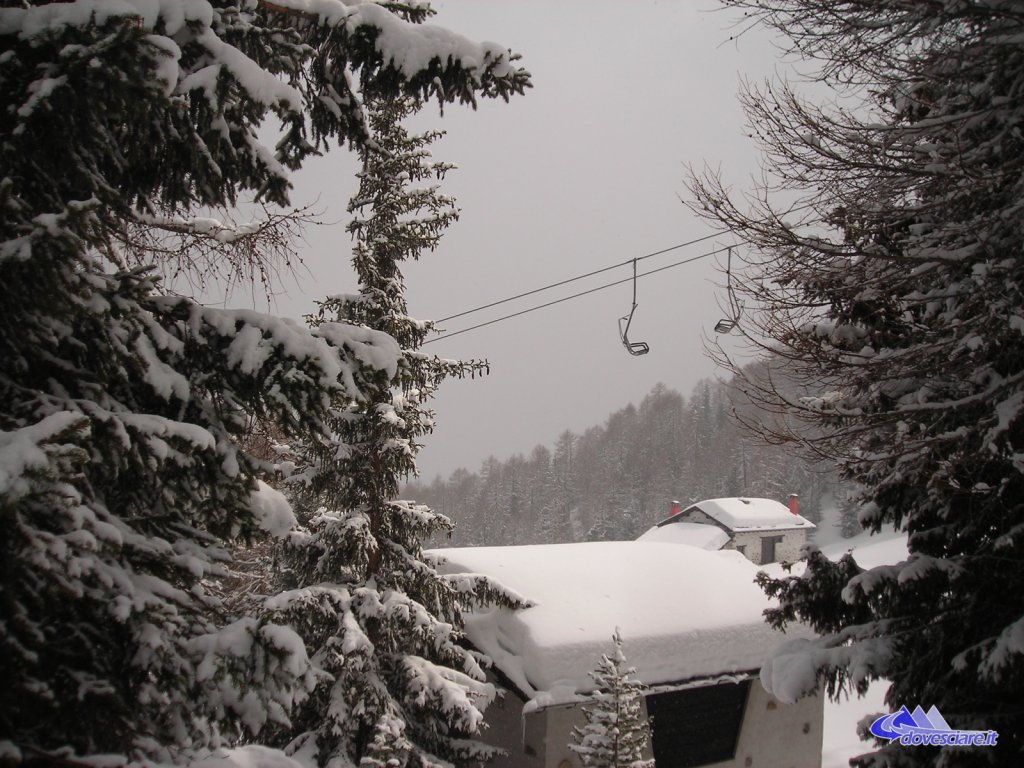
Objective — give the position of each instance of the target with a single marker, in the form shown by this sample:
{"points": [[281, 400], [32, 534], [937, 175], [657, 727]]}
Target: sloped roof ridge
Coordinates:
{"points": [[746, 513]]}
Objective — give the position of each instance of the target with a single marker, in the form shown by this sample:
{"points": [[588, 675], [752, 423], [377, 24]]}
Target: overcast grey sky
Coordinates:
{"points": [[584, 171]]}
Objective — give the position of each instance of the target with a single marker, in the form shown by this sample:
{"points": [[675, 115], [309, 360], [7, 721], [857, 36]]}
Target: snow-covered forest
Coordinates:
{"points": [[615, 480]]}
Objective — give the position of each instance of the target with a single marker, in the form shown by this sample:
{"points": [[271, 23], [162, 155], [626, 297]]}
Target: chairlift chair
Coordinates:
{"points": [[635, 348], [727, 324]]}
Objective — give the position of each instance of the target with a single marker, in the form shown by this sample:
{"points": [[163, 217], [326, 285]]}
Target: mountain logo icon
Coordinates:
{"points": [[930, 728]]}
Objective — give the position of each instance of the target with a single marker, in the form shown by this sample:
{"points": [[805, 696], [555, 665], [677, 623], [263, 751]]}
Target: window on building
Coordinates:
{"points": [[697, 726], [768, 548]]}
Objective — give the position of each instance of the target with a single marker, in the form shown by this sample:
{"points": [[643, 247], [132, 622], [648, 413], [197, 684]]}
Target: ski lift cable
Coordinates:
{"points": [[580, 277], [806, 206], [671, 248], [574, 296]]}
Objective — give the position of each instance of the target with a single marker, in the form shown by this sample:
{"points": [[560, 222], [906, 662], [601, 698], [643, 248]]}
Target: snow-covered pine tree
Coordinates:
{"points": [[616, 734], [121, 481], [895, 285], [375, 614]]}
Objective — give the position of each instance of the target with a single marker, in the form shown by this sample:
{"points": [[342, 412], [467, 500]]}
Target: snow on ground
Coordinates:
{"points": [[251, 756], [840, 741], [871, 551], [683, 612], [700, 535]]}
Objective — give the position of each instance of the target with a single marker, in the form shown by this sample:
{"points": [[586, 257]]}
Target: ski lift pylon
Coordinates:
{"points": [[635, 348]]}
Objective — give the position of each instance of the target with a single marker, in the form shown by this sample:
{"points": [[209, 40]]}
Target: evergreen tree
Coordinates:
{"points": [[663, 434], [615, 735], [375, 615], [896, 283], [122, 480], [541, 482], [566, 500]]}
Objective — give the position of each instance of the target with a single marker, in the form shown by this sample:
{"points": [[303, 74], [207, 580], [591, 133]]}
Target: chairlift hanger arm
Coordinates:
{"points": [[727, 324], [635, 348]]}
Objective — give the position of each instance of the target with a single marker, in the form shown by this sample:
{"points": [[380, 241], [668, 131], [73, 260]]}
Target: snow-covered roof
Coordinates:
{"points": [[743, 514], [683, 613], [701, 535]]}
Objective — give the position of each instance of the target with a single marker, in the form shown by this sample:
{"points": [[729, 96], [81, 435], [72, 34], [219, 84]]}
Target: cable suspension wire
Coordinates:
{"points": [[574, 296], [579, 277], [688, 243]]}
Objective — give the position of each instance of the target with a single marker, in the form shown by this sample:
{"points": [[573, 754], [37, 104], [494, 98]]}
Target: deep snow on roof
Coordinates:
{"points": [[683, 612], [745, 514], [701, 535]]}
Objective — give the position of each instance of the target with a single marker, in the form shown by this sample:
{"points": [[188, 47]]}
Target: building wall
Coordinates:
{"points": [[776, 735], [788, 550], [522, 740], [772, 735], [793, 539]]}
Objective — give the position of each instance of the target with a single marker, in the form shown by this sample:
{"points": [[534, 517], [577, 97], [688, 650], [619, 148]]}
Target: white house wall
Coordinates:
{"points": [[776, 735]]}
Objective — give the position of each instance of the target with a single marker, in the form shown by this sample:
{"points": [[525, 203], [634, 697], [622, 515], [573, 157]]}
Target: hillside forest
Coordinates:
{"points": [[615, 480]]}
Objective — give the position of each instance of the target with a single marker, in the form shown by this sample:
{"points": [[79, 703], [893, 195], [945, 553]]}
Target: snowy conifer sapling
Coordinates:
{"points": [[374, 614], [616, 734]]}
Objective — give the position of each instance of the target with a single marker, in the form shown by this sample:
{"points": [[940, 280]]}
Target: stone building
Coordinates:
{"points": [[762, 530]]}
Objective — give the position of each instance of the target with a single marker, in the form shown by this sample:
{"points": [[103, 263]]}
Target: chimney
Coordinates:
{"points": [[675, 509], [794, 504]]}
